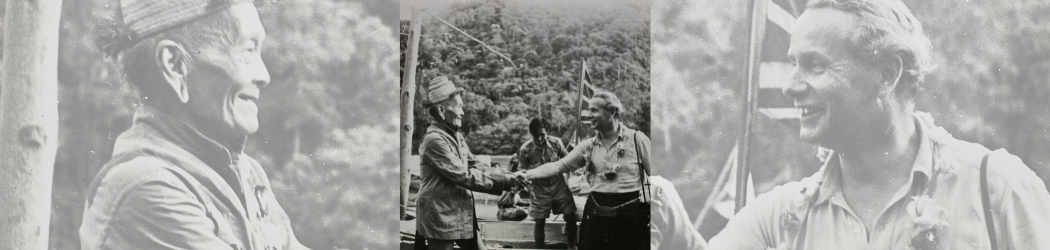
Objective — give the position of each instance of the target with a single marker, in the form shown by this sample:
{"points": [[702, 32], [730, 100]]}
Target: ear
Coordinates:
{"points": [[172, 61], [891, 70], [441, 112]]}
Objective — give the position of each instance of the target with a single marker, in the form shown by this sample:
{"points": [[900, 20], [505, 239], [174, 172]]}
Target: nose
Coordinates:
{"points": [[260, 75], [795, 86]]}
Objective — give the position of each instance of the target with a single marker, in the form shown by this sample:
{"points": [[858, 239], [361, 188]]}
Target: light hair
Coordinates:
{"points": [[611, 103], [887, 28]]}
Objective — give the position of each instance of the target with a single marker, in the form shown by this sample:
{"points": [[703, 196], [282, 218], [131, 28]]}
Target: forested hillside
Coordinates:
{"points": [[547, 41]]}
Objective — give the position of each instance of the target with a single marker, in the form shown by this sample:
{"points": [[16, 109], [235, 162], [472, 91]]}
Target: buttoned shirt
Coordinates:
{"points": [[170, 187], [813, 214], [532, 155], [629, 152], [445, 206]]}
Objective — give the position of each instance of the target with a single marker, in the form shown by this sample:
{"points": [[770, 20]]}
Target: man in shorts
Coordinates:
{"points": [[550, 194]]}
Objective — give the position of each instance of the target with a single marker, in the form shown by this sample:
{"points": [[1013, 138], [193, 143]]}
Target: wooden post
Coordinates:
{"points": [[750, 103], [29, 123], [408, 91]]}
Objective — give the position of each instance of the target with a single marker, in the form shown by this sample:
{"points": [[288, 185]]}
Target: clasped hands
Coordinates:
{"points": [[520, 181]]}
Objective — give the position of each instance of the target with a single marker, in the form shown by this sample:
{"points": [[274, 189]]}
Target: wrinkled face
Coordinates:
{"points": [[454, 112], [540, 136], [225, 80], [835, 93], [601, 118]]}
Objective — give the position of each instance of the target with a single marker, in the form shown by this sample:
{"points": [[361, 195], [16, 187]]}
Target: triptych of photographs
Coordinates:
{"points": [[525, 124]]}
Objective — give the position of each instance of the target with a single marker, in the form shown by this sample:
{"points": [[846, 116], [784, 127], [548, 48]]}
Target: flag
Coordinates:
{"points": [[775, 68], [585, 91]]}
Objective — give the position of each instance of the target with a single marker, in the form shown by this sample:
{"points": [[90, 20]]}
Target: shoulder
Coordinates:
{"points": [[525, 146], [138, 170]]}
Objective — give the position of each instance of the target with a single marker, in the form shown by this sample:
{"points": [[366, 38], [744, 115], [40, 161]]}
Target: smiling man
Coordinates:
{"points": [[179, 178], [616, 214], [892, 178], [445, 205]]}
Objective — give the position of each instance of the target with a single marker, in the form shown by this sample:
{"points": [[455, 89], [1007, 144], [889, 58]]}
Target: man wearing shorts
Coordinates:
{"points": [[550, 194]]}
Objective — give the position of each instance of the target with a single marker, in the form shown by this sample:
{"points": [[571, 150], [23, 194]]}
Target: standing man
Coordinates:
{"points": [[893, 179], [179, 178], [548, 194], [445, 206], [616, 215]]}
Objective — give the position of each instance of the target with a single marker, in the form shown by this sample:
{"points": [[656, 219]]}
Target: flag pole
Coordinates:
{"points": [[579, 100], [750, 91]]}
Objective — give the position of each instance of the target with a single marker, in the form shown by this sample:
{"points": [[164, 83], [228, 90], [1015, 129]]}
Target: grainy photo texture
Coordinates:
{"points": [[853, 124], [525, 124], [198, 124]]}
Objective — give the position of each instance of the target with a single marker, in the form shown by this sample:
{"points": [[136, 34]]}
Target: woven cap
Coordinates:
{"points": [[440, 89], [138, 19]]}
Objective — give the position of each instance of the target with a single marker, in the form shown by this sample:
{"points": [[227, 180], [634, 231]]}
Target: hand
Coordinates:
{"points": [[520, 179]]}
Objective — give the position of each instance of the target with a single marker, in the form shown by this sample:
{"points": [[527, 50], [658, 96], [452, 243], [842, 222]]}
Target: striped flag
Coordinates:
{"points": [[775, 68], [585, 92]]}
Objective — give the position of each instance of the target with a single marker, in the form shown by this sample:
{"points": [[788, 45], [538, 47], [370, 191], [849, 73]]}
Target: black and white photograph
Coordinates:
{"points": [[525, 124], [198, 124], [851, 124]]}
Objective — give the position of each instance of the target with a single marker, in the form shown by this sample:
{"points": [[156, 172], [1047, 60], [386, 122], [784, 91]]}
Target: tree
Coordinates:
{"points": [[29, 128]]}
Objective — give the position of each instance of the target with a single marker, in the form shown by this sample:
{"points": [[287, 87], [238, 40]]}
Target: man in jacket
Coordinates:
{"points": [[179, 178], [445, 205]]}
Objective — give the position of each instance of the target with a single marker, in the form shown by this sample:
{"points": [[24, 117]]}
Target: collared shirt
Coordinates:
{"points": [[670, 228], [630, 151], [445, 206], [170, 187], [532, 155], [945, 174]]}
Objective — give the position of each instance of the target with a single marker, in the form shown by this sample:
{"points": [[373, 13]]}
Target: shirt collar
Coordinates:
{"points": [[619, 136], [209, 151], [921, 169]]}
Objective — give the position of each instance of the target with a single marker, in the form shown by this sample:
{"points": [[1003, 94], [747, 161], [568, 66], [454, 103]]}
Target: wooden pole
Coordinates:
{"points": [[750, 90], [29, 125], [408, 91]]}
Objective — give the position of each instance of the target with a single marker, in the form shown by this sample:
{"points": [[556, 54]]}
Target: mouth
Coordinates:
{"points": [[809, 111], [247, 97]]}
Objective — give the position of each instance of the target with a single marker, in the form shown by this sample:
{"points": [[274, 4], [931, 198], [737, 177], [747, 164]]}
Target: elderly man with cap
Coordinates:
{"points": [[445, 206], [892, 179], [179, 178]]}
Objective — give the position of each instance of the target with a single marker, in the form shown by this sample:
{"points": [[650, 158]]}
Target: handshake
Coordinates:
{"points": [[520, 181]]}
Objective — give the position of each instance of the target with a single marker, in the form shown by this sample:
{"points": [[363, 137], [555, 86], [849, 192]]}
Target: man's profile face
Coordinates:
{"points": [[226, 80], [835, 93], [600, 117], [454, 112]]}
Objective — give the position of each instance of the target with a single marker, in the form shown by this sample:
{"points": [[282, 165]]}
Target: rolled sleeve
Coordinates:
{"points": [[1022, 219], [439, 154], [753, 227]]}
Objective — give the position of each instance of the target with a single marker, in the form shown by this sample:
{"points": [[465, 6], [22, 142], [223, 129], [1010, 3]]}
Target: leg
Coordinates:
{"points": [[541, 243], [570, 228], [468, 244]]}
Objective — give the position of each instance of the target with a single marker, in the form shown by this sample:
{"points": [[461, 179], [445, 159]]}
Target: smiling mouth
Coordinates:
{"points": [[247, 97], [810, 111]]}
